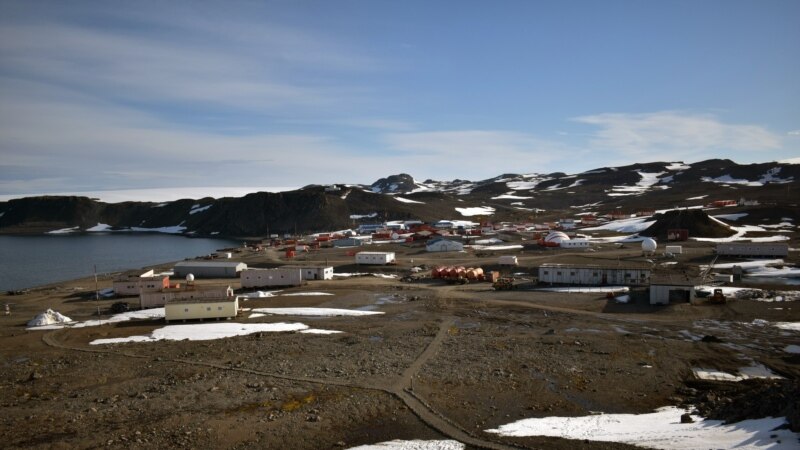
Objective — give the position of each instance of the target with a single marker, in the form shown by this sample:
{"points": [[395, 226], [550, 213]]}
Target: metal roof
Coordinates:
{"points": [[208, 264]]}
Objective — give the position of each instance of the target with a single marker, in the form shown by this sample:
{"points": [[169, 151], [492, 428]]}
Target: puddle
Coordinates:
{"points": [[383, 299], [467, 325]]}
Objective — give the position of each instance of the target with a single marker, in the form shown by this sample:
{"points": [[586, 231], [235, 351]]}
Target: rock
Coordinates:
{"points": [[34, 376], [686, 418]]}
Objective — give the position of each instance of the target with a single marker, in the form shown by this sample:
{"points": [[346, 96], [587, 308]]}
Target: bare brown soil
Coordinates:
{"points": [[444, 361]]}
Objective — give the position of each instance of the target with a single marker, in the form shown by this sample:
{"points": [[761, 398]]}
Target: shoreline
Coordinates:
{"points": [[38, 269]]}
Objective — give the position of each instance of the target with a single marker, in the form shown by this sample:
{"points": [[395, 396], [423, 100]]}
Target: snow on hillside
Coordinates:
{"points": [[647, 182], [770, 176], [405, 200], [476, 211]]}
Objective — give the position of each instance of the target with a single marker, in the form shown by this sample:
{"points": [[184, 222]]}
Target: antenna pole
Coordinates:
{"points": [[96, 291]]}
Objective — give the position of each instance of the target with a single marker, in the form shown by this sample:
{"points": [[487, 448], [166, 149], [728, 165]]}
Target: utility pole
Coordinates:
{"points": [[96, 291]]}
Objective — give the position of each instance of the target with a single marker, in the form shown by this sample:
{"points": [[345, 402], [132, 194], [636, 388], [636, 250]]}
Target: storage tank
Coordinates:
{"points": [[475, 273], [649, 245]]}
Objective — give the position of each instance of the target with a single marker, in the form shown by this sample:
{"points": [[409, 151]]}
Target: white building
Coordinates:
{"points": [[353, 241], [575, 243], [444, 245], [375, 258], [592, 275], [209, 269], [208, 308], [507, 260], [314, 273], [666, 289], [753, 249], [160, 298], [567, 224], [673, 249], [133, 283], [283, 276]]}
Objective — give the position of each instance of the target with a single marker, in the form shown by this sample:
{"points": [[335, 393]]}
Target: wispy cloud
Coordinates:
{"points": [[683, 135], [268, 69], [794, 133], [474, 151]]}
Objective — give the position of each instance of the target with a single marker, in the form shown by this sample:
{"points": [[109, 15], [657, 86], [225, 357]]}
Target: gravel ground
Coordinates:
{"points": [[474, 357]]}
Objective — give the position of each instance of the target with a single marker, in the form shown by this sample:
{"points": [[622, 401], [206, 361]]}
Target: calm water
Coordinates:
{"points": [[28, 261]]}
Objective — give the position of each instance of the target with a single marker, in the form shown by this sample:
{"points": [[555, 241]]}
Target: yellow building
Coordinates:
{"points": [[201, 308]]}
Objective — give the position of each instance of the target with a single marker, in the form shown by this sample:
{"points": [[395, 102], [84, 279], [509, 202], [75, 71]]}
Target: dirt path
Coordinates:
{"points": [[406, 380], [402, 388]]}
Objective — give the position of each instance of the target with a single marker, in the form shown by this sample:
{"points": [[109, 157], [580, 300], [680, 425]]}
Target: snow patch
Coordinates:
{"points": [[647, 181], [476, 211], [730, 216], [319, 331], [510, 197], [48, 317], [297, 294], [415, 444], [661, 429], [632, 225], [678, 166], [204, 332], [316, 312], [584, 290], [363, 216], [406, 200], [64, 230], [100, 227], [197, 208], [175, 229], [364, 274]]}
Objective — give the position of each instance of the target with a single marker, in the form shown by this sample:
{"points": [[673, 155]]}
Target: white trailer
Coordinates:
{"points": [[507, 260], [753, 249], [575, 243], [674, 249], [160, 298], [592, 275], [375, 258], [193, 309], [315, 272], [283, 276]]}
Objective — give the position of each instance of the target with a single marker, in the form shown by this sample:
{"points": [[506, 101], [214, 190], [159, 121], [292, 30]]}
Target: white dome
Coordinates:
{"points": [[556, 237], [649, 245], [190, 278]]}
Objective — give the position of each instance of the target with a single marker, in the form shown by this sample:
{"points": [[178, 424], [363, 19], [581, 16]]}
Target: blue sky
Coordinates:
{"points": [[130, 95]]}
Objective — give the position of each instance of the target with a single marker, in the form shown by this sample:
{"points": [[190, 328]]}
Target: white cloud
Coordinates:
{"points": [[794, 133], [469, 151], [686, 135]]}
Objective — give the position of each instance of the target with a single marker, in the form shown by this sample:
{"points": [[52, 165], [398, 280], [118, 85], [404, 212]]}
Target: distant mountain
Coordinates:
{"points": [[511, 197]]}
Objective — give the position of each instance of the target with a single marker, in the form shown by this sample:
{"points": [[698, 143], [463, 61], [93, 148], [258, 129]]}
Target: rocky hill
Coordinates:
{"points": [[522, 197]]}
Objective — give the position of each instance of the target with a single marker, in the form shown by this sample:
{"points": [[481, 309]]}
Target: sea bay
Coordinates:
{"points": [[29, 261]]}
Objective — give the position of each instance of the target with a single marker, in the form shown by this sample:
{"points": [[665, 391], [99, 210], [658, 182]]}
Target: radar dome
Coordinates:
{"points": [[649, 245], [556, 237], [189, 278]]}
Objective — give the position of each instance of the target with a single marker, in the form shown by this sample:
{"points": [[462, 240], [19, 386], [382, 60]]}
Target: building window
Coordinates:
{"points": [[185, 309], [208, 308], [219, 308], [572, 273], [558, 273], [547, 272]]}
